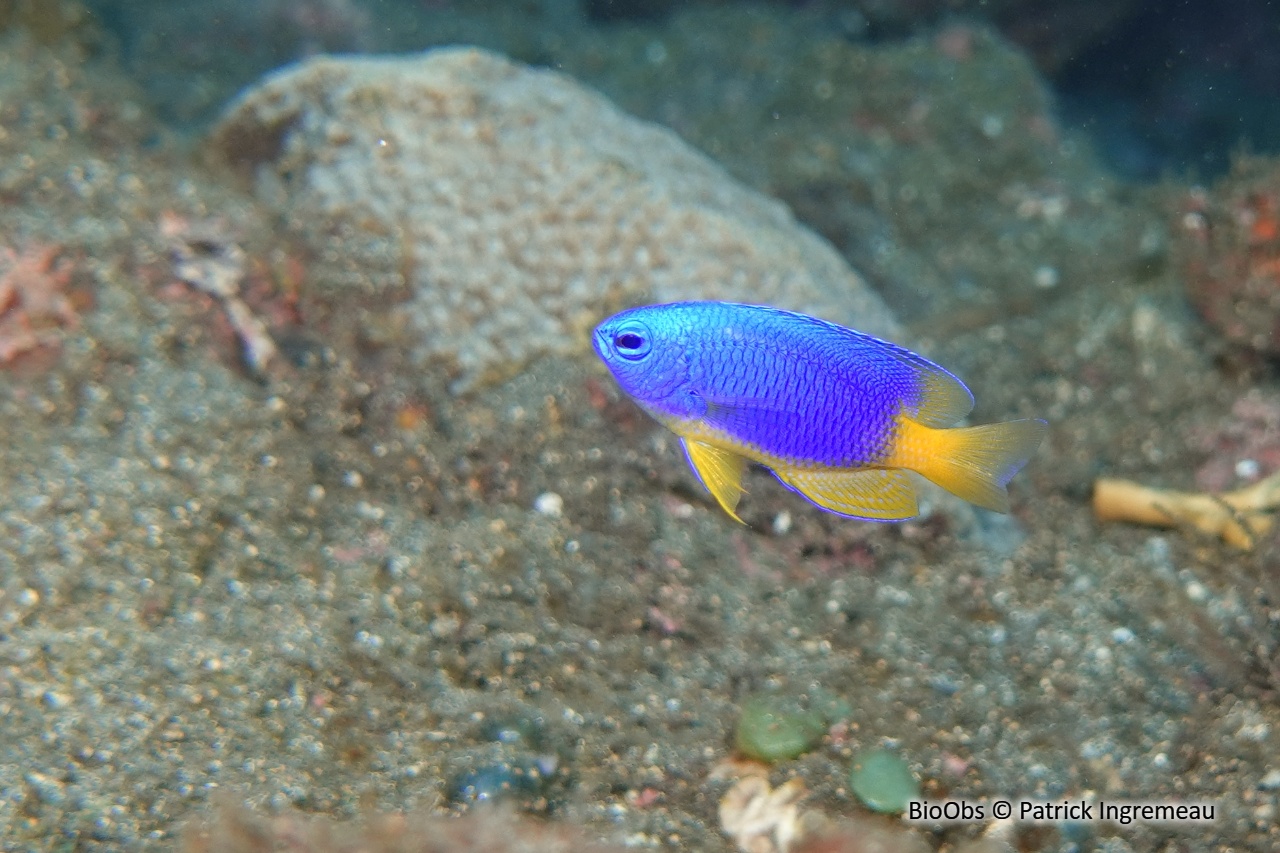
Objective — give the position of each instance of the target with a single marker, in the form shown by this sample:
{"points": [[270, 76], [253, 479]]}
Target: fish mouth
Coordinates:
{"points": [[599, 340]]}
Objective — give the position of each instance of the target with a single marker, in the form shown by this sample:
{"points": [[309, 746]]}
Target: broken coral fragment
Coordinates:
{"points": [[207, 256], [762, 819], [1240, 517]]}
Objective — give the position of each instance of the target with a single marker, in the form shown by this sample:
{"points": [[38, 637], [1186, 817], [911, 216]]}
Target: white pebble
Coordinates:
{"points": [[549, 503], [1046, 277], [682, 510], [1248, 469], [782, 523]]}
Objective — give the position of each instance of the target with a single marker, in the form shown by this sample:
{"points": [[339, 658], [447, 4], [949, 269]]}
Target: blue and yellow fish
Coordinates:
{"points": [[837, 415]]}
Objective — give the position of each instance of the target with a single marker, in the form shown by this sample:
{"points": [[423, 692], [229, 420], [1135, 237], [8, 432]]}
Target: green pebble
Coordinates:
{"points": [[883, 781], [772, 731]]}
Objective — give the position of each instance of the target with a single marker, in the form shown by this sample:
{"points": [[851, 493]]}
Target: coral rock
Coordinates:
{"points": [[1229, 248], [513, 206]]}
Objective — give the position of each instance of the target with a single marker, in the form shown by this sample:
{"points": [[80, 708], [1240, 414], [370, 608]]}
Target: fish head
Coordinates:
{"points": [[646, 353]]}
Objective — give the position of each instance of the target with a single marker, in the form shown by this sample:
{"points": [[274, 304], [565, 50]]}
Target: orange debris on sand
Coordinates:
{"points": [[1240, 517], [33, 299]]}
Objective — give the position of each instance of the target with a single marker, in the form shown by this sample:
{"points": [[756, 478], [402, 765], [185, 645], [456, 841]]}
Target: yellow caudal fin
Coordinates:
{"points": [[974, 463]]}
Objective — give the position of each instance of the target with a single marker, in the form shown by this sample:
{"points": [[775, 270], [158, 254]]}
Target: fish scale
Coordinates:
{"points": [[805, 413]]}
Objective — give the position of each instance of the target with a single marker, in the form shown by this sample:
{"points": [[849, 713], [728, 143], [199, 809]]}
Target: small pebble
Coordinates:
{"points": [[1046, 277], [524, 781], [550, 504], [1248, 469], [46, 788], [771, 731], [489, 783], [522, 730], [883, 781], [782, 523], [55, 700]]}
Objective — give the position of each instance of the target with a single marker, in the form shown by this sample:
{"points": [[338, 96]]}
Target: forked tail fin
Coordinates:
{"points": [[974, 463]]}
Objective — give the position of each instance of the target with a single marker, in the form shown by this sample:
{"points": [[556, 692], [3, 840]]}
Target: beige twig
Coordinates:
{"points": [[1238, 517]]}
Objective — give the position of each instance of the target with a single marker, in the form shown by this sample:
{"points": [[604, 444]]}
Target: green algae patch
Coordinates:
{"points": [[883, 781], [773, 729]]}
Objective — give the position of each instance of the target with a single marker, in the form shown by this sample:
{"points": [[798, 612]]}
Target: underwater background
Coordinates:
{"points": [[322, 528]]}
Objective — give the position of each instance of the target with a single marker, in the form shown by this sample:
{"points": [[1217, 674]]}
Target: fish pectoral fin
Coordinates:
{"points": [[743, 415], [872, 494], [720, 472]]}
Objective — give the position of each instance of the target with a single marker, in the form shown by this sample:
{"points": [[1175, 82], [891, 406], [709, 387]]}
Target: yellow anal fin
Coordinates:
{"points": [[720, 471], [974, 463], [874, 494]]}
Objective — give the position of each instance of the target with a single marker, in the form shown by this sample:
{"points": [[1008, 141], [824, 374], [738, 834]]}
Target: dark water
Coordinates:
{"points": [[1160, 88]]}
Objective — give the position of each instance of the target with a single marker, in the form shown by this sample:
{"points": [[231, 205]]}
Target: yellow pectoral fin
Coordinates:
{"points": [[874, 494], [720, 471]]}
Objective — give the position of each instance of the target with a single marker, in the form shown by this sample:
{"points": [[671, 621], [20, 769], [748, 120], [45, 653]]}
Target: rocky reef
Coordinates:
{"points": [[504, 209]]}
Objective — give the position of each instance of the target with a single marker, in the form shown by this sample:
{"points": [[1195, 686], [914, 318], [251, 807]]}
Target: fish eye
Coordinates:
{"points": [[632, 341]]}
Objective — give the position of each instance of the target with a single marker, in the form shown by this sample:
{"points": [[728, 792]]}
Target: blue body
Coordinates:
{"points": [[788, 385]]}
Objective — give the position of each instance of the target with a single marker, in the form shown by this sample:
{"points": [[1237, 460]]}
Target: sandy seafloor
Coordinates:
{"points": [[314, 592]]}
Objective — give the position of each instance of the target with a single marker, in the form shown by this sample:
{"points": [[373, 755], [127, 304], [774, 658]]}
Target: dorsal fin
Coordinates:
{"points": [[944, 400]]}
